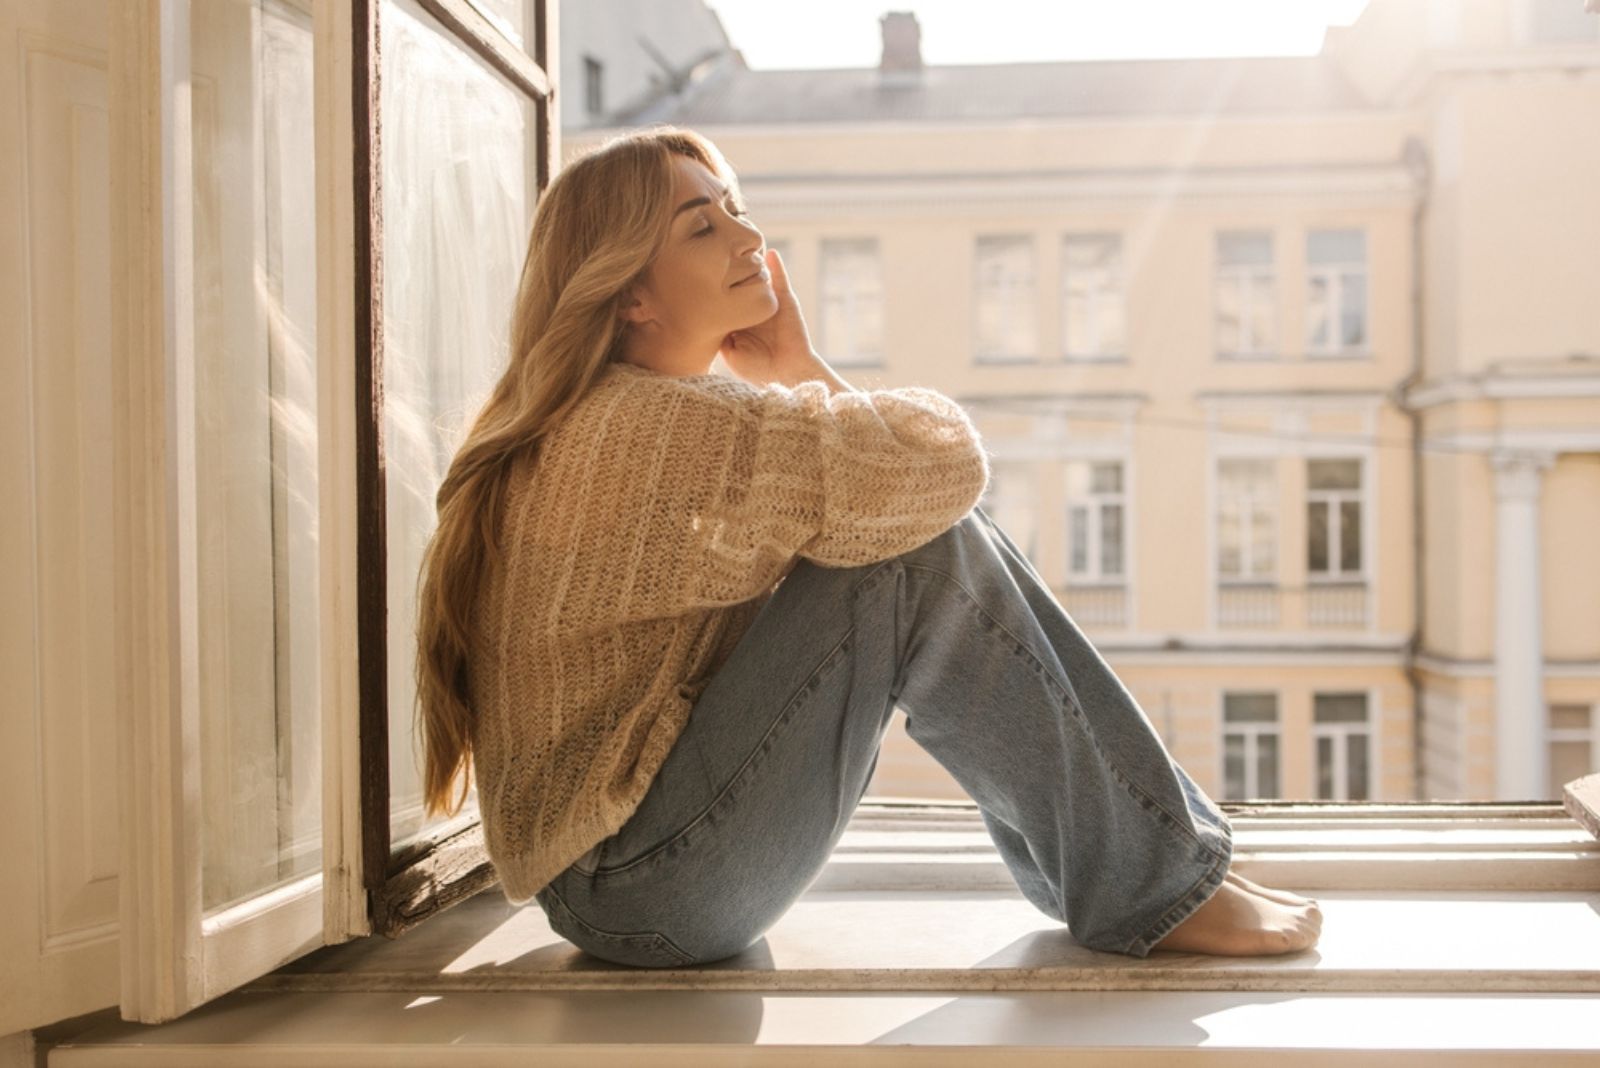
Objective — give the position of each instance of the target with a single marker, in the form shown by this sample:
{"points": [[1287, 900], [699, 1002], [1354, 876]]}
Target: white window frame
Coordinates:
{"points": [[1257, 286], [1554, 734], [1102, 300], [1018, 297], [845, 289], [1337, 733], [1252, 733], [1093, 508], [1249, 504], [1332, 500], [1332, 275]]}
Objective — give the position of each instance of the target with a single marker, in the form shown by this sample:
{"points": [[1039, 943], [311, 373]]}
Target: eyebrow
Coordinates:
{"points": [[696, 202]]}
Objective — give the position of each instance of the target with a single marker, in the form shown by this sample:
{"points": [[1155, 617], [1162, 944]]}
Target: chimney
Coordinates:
{"points": [[901, 64]]}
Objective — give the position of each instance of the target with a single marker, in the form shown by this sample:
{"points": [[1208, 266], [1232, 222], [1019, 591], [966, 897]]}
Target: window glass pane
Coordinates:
{"points": [[1092, 294], [1250, 708], [1569, 717], [1111, 539], [1350, 537], [1560, 22], [1080, 539], [1106, 478], [1233, 746], [1336, 247], [1005, 297], [852, 299], [1568, 761], [1244, 248], [1230, 550], [255, 332], [1357, 747], [1267, 765], [1263, 547], [1325, 767], [1229, 314], [1263, 317], [1317, 537], [1334, 474], [510, 16], [1339, 708], [1318, 313], [1353, 310], [456, 214]]}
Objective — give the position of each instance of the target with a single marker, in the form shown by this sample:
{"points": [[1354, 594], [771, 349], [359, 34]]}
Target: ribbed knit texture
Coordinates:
{"points": [[641, 538]]}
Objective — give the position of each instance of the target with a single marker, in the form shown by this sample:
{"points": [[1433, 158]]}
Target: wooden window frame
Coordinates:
{"points": [[406, 886]]}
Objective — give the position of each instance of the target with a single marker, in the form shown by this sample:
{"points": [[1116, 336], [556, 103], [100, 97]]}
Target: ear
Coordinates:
{"points": [[633, 308]]}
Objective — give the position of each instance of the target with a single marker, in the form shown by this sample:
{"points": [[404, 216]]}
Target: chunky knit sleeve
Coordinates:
{"points": [[842, 479]]}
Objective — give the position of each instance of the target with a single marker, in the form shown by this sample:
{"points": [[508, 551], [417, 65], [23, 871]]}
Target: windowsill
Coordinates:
{"points": [[1333, 356], [914, 934]]}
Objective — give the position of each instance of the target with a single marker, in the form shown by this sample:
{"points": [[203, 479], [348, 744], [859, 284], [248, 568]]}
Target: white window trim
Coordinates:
{"points": [[1092, 503], [1338, 732], [1252, 733], [1258, 289], [1591, 734], [1331, 499], [1247, 575], [853, 302], [1019, 297], [1099, 299], [1332, 274]]}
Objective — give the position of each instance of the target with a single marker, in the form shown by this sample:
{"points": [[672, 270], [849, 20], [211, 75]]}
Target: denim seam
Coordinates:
{"points": [[783, 717], [1066, 697], [672, 946]]}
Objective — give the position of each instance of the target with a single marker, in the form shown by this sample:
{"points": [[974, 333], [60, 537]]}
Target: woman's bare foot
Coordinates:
{"points": [[1238, 921], [1283, 897]]}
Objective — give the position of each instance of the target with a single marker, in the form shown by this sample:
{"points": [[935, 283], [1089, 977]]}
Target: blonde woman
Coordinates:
{"points": [[667, 613]]}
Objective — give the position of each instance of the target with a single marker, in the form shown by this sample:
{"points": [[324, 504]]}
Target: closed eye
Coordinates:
{"points": [[737, 212]]}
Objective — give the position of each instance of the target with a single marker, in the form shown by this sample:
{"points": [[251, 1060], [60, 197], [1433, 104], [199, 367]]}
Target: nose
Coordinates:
{"points": [[748, 238]]}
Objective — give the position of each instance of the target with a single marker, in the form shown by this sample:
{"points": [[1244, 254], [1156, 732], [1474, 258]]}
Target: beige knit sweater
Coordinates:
{"points": [[641, 538]]}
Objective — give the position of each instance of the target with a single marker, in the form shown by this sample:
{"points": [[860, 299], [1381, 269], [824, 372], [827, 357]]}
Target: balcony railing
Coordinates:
{"points": [[1098, 606], [1264, 604]]}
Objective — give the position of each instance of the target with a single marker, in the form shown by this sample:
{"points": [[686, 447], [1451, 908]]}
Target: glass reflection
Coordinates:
{"points": [[457, 200], [256, 446]]}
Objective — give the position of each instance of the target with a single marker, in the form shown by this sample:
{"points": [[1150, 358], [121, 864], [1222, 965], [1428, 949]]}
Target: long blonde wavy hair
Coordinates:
{"points": [[595, 231]]}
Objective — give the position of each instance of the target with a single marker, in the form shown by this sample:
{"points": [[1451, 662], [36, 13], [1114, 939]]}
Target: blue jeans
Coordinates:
{"points": [[1100, 828]]}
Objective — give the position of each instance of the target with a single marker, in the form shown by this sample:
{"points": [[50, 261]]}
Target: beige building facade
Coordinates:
{"points": [[1289, 368]]}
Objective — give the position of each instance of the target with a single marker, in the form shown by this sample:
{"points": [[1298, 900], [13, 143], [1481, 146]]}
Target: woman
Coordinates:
{"points": [[626, 537]]}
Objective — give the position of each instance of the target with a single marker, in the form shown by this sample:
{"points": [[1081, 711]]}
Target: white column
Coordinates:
{"points": [[1521, 722]]}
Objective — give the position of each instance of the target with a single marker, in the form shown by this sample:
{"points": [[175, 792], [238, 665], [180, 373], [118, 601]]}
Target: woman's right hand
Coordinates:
{"points": [[778, 349]]}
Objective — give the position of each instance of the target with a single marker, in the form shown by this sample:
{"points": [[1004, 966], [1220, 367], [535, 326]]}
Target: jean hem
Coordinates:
{"points": [[1186, 906]]}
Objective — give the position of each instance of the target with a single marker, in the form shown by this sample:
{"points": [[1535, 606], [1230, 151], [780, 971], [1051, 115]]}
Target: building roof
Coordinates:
{"points": [[731, 94]]}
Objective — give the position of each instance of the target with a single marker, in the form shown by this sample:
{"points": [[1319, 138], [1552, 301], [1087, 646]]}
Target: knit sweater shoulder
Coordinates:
{"points": [[639, 539]]}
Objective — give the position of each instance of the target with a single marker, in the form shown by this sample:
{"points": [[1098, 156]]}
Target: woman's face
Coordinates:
{"points": [[709, 277]]}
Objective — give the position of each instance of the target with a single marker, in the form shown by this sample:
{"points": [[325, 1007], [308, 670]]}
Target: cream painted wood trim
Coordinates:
{"points": [[173, 957], [345, 901]]}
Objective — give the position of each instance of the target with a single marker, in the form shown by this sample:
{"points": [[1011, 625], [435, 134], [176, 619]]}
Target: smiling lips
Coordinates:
{"points": [[762, 274]]}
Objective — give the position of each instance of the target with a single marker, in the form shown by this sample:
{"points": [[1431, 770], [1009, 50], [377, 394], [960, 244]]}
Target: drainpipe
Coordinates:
{"points": [[1415, 157]]}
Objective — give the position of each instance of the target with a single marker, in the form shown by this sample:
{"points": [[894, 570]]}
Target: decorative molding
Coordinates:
{"points": [[1496, 385], [1518, 473], [1460, 668]]}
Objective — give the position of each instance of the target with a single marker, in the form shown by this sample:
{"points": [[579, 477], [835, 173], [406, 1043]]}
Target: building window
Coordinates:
{"points": [[1250, 734], [1009, 500], [1246, 303], [1004, 279], [852, 300], [1333, 519], [1572, 745], [1557, 22], [1095, 521], [1092, 314], [593, 96], [1336, 294], [1247, 495], [1341, 731]]}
